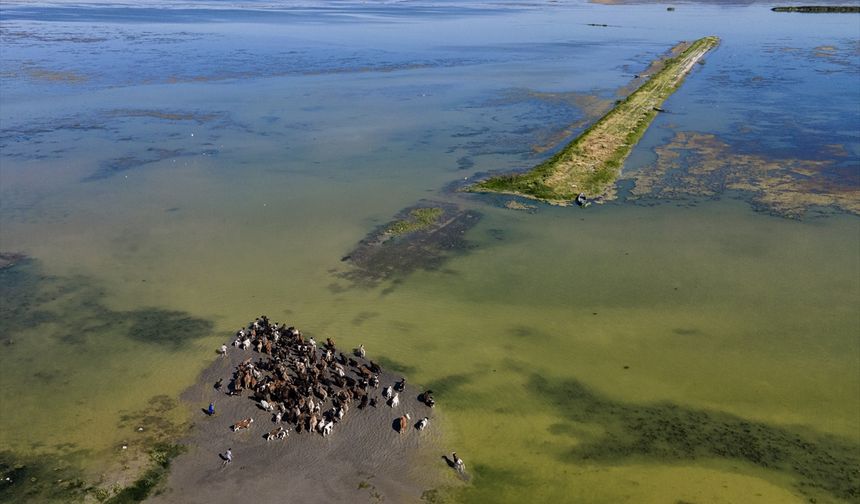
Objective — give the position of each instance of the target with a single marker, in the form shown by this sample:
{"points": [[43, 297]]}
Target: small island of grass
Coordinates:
{"points": [[590, 164], [418, 219]]}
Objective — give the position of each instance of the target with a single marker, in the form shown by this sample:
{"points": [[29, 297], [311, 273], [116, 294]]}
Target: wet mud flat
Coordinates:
{"points": [[422, 236], [364, 459]]}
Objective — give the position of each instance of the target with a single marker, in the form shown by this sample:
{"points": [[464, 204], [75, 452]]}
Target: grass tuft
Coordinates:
{"points": [[418, 219]]}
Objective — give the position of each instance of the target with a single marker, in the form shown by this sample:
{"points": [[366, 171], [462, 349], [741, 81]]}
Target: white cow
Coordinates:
{"points": [[422, 423]]}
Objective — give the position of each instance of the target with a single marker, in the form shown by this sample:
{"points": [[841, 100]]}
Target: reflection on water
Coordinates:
{"points": [[200, 173]]}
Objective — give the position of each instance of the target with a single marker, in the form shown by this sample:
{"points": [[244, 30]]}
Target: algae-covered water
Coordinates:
{"points": [[173, 171]]}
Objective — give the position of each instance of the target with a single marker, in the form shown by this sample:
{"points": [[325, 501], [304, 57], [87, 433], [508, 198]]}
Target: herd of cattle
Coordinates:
{"points": [[309, 387]]}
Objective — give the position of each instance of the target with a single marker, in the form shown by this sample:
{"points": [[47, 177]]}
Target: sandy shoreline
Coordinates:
{"points": [[364, 460]]}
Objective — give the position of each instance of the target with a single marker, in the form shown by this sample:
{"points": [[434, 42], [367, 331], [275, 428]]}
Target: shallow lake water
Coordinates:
{"points": [[173, 172]]}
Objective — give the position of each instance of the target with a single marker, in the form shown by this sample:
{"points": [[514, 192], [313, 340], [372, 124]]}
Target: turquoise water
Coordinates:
{"points": [[177, 170]]}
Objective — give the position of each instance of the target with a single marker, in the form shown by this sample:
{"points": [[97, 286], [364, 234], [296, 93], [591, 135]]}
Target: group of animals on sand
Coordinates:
{"points": [[308, 386]]}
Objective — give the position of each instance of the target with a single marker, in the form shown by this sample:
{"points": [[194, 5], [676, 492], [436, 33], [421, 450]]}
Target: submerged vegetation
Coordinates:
{"points": [[669, 432], [695, 164], [31, 299], [34, 304], [422, 236], [161, 456], [40, 478], [815, 9], [603, 431], [57, 478], [590, 164]]}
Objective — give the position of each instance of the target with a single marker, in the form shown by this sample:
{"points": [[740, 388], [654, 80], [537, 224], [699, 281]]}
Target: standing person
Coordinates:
{"points": [[211, 409], [228, 456]]}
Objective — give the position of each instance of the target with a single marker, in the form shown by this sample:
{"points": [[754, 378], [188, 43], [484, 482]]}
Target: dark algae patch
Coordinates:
{"points": [[422, 236], [123, 164], [150, 482], [671, 433], [56, 477], [21, 301], [395, 366], [696, 164], [166, 327], [819, 9], [29, 299], [44, 310], [39, 478], [9, 259]]}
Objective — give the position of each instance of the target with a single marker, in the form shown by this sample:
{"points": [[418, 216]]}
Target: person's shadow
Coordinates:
{"points": [[450, 462], [206, 412], [223, 457]]}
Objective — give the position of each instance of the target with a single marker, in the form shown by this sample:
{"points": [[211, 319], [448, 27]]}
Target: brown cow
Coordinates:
{"points": [[242, 424], [278, 433], [404, 422]]}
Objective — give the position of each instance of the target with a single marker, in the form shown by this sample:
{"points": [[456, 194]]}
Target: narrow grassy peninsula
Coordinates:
{"points": [[590, 164]]}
